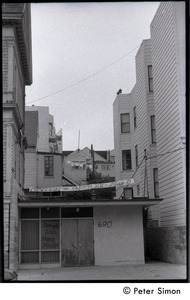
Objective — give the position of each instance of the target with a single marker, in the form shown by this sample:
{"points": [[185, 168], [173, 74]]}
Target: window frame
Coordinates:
{"points": [[48, 163], [153, 129], [150, 79], [126, 161], [156, 182], [123, 124], [135, 117], [136, 155]]}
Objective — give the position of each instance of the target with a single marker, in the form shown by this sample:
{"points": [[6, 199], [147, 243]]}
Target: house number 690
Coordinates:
{"points": [[107, 224]]}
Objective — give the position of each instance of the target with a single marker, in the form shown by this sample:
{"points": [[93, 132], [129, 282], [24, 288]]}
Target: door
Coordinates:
{"points": [[77, 242], [69, 243], [85, 242]]}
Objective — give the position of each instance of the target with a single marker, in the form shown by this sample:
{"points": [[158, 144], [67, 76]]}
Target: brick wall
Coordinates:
{"points": [[166, 244]]}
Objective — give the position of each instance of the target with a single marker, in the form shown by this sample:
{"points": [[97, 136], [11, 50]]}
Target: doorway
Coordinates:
{"points": [[77, 242]]}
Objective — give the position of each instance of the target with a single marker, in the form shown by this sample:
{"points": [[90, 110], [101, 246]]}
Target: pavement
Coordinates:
{"points": [[155, 271]]}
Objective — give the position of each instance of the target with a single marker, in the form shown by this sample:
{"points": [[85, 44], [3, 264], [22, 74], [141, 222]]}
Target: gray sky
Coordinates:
{"points": [[71, 42]]}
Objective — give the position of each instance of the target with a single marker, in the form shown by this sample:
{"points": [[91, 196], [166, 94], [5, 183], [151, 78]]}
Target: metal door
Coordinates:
{"points": [[77, 242]]}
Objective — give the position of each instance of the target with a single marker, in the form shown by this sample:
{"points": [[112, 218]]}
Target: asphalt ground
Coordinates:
{"points": [[151, 271]]}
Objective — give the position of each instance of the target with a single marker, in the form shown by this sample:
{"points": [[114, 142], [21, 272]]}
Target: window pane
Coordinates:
{"points": [[48, 165], [150, 71], [150, 85], [125, 127], [51, 212], [30, 235], [50, 256], [29, 213], [125, 123], [125, 118], [30, 257], [126, 159], [50, 234]]}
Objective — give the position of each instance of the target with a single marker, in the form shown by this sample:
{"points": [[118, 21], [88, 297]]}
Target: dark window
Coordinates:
{"points": [[125, 123], [135, 117], [77, 212], [126, 160], [156, 184], [29, 213], [150, 79], [48, 165], [153, 129], [50, 212], [136, 155]]}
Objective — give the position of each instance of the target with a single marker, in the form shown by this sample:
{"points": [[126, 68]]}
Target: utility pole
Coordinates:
{"points": [[92, 154]]}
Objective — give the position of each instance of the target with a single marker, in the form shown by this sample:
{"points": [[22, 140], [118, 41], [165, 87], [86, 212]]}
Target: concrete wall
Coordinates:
{"points": [[121, 242], [166, 244]]}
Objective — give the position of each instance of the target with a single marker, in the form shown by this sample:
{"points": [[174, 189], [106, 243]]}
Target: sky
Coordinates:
{"points": [[82, 54]]}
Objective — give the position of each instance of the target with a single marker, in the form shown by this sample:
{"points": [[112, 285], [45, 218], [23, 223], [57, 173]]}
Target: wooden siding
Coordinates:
{"points": [[169, 107], [30, 170]]}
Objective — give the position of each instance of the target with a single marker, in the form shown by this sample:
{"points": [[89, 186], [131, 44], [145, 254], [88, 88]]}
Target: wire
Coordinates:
{"points": [[132, 176], [162, 154], [84, 79], [149, 157]]}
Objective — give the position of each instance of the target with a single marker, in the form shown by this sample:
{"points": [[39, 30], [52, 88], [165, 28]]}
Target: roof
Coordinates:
{"points": [[102, 153], [65, 153], [62, 202], [19, 16], [31, 127]]}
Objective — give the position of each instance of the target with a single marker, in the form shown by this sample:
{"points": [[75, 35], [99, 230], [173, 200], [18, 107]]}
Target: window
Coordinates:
{"points": [[150, 79], [135, 117], [126, 160], [125, 123], [153, 129], [156, 185], [136, 155], [138, 189], [48, 161], [128, 193]]}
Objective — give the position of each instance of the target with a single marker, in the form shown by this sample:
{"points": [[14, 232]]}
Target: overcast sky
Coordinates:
{"points": [[71, 42]]}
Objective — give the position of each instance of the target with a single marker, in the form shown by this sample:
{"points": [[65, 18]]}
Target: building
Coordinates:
{"points": [[168, 60], [17, 73], [62, 226], [79, 166], [149, 134], [43, 156]]}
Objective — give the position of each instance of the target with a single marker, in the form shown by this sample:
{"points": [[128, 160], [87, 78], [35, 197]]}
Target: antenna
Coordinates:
{"points": [[79, 140]]}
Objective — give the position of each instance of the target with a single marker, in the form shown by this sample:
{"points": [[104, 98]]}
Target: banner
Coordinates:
{"points": [[83, 187]]}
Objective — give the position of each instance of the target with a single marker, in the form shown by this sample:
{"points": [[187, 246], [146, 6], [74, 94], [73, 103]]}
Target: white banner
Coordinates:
{"points": [[83, 187]]}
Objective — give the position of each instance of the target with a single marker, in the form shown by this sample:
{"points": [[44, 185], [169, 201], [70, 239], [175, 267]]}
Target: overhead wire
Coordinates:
{"points": [[149, 157], [84, 79]]}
